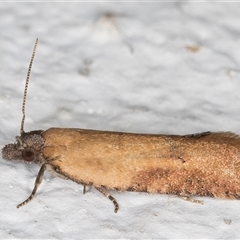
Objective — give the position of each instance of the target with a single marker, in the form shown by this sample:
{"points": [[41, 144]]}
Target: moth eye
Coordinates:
{"points": [[28, 155]]}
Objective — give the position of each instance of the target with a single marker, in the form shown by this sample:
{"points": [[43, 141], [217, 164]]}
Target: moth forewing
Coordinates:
{"points": [[203, 164], [183, 165]]}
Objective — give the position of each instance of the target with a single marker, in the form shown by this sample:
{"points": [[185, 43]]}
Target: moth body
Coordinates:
{"points": [[205, 164]]}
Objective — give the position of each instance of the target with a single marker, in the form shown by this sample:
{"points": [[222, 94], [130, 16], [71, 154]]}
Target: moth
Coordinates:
{"points": [[202, 164]]}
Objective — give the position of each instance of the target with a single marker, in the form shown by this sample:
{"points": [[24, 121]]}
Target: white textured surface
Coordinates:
{"points": [[122, 67]]}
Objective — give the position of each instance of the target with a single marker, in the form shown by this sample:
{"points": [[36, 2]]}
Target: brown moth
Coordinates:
{"points": [[202, 164]]}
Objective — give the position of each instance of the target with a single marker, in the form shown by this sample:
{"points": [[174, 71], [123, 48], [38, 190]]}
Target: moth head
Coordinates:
{"points": [[26, 148]]}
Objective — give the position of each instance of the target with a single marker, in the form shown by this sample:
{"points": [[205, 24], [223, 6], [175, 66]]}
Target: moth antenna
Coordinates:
{"points": [[26, 87]]}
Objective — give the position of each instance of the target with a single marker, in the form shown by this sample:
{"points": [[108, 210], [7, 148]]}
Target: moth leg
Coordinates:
{"points": [[84, 189], [114, 201], [37, 183], [189, 199]]}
